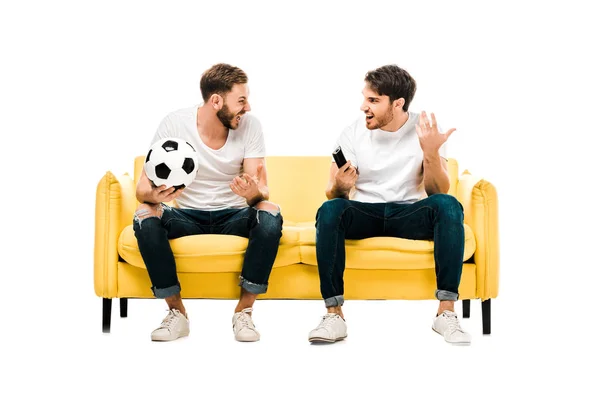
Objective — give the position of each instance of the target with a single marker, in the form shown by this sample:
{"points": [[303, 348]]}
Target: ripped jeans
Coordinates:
{"points": [[261, 227]]}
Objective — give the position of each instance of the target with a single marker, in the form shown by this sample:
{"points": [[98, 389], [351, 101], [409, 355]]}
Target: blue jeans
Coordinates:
{"points": [[438, 217], [261, 227]]}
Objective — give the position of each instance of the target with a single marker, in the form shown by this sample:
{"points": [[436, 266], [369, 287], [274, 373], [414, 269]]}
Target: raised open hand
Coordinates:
{"points": [[430, 137]]}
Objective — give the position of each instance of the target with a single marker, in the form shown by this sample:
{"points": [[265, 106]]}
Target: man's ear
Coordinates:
{"points": [[399, 102], [216, 101]]}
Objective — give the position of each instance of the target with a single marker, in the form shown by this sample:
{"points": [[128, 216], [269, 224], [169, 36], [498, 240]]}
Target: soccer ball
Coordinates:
{"points": [[172, 162]]}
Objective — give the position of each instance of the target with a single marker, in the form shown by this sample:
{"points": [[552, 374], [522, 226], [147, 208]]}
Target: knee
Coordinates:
{"points": [[448, 205], [145, 211], [331, 210], [269, 222], [268, 206]]}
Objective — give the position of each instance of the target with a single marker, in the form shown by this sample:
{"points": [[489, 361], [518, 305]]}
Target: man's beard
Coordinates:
{"points": [[386, 119], [226, 117]]}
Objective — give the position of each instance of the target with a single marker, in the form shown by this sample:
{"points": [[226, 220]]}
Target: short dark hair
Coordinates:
{"points": [[392, 81], [219, 79]]}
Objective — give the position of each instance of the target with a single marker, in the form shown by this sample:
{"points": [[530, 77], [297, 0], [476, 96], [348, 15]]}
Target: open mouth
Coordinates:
{"points": [[369, 117]]}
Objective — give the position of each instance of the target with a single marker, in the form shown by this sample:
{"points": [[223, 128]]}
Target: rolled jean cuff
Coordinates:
{"points": [[255, 288], [166, 292], [334, 301], [446, 295]]}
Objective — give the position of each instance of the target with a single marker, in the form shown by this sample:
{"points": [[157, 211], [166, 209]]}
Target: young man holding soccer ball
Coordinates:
{"points": [[218, 201]]}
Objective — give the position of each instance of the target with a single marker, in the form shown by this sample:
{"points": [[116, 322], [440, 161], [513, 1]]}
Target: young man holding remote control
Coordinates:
{"points": [[396, 170]]}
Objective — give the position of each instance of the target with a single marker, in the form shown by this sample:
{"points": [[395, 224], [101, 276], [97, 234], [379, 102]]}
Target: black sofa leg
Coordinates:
{"points": [[486, 310], [106, 311], [466, 307], [123, 307]]}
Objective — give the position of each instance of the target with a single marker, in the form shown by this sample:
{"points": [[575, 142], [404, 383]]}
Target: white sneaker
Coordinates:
{"points": [[174, 326], [446, 324], [331, 329], [243, 327]]}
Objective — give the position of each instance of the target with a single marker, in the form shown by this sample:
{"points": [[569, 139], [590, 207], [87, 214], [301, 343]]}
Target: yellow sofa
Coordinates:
{"points": [[208, 266]]}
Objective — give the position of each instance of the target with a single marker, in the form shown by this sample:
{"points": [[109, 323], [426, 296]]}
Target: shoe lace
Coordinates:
{"points": [[327, 320], [170, 320], [452, 321], [244, 321]]}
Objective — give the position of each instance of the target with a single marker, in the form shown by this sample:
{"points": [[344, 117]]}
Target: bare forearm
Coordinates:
{"points": [[263, 194], [435, 175], [141, 197], [144, 194], [333, 192]]}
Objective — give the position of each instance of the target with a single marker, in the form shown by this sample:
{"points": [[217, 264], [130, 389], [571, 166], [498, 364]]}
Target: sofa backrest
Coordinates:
{"points": [[453, 172], [298, 183]]}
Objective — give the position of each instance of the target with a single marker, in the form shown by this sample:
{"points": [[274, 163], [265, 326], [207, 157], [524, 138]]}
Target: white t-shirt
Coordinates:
{"points": [[389, 163], [210, 189]]}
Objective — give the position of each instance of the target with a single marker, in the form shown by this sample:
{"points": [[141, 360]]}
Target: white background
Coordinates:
{"points": [[83, 86]]}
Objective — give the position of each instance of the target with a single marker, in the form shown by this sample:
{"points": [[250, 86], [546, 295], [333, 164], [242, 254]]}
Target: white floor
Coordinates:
{"points": [[391, 352]]}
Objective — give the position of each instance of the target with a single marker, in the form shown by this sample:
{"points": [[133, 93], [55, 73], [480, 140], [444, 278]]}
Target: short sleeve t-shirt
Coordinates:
{"points": [[210, 189], [390, 164]]}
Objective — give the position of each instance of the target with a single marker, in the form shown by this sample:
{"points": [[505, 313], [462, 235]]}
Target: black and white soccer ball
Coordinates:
{"points": [[172, 162]]}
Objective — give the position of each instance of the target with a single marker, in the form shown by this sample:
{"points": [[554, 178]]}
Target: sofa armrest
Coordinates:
{"points": [[115, 206], [480, 203]]}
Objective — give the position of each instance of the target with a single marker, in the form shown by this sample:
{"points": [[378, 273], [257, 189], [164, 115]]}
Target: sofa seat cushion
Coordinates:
{"points": [[380, 252], [210, 253]]}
